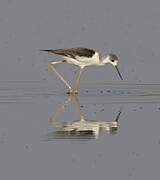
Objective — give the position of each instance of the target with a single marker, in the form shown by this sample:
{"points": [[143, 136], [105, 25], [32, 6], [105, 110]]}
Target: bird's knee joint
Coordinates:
{"points": [[49, 64]]}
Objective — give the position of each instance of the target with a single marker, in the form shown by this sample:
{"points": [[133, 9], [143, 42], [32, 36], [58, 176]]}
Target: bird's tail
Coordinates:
{"points": [[46, 50]]}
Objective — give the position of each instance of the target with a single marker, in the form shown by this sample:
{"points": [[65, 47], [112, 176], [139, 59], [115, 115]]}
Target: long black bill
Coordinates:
{"points": [[119, 72]]}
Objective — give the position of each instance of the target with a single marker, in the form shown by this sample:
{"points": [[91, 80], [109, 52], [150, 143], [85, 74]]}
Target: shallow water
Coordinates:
{"points": [[28, 91], [33, 115], [94, 99], [41, 135]]}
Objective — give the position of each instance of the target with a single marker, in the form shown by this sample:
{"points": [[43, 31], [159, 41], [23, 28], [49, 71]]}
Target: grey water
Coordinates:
{"points": [[28, 137], [112, 131]]}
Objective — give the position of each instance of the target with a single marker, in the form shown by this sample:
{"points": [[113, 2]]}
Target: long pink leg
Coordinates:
{"points": [[51, 66]]}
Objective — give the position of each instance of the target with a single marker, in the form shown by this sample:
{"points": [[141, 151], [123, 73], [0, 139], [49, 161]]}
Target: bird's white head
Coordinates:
{"points": [[112, 59]]}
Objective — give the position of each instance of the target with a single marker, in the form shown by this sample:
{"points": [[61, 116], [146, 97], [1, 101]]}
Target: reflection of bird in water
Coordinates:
{"points": [[81, 129], [81, 57]]}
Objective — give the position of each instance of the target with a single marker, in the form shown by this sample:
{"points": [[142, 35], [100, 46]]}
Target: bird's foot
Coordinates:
{"points": [[72, 92], [75, 91]]}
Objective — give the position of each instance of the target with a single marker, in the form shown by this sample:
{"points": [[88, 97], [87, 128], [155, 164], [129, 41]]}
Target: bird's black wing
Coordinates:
{"points": [[73, 52]]}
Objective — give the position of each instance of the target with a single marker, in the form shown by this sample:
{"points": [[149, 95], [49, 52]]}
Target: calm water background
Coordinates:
{"points": [[29, 93]]}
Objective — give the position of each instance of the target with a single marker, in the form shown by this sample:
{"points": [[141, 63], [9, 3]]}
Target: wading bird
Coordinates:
{"points": [[81, 57]]}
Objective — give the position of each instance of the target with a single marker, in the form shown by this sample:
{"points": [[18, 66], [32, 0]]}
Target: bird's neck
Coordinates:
{"points": [[105, 59]]}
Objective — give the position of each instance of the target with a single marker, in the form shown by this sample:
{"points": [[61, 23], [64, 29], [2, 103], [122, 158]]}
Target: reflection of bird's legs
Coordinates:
{"points": [[53, 118], [78, 80], [78, 107], [51, 66]]}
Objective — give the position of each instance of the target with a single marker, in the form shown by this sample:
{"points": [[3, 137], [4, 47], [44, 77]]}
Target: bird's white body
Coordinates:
{"points": [[85, 61]]}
